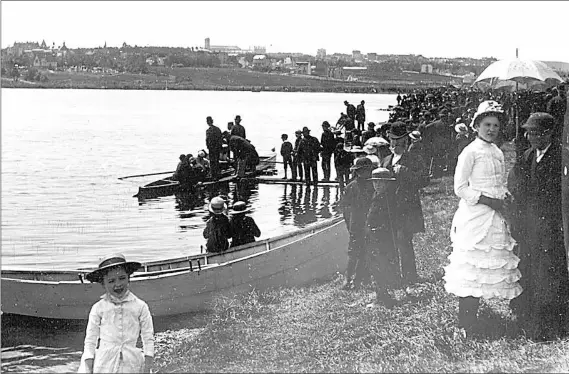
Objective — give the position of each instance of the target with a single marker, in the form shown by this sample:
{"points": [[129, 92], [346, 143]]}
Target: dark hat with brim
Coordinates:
{"points": [[239, 207], [540, 121], [398, 130], [361, 163], [109, 262], [305, 130]]}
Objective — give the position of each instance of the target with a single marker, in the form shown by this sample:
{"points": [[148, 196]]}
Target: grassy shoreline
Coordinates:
{"points": [[320, 328], [223, 79]]}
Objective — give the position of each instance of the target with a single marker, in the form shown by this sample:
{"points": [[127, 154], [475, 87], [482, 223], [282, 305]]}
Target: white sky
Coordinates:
{"points": [[431, 28]]}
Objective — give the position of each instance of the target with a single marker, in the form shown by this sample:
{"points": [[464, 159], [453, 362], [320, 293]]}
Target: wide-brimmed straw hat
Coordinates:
{"points": [[382, 174], [486, 107], [217, 205], [239, 207], [109, 262]]}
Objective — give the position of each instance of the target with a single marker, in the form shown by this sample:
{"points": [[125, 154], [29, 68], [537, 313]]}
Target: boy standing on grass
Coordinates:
{"points": [[381, 252], [286, 153], [355, 205]]}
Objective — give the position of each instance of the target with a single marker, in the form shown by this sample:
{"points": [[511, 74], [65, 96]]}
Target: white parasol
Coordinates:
{"points": [[526, 72]]}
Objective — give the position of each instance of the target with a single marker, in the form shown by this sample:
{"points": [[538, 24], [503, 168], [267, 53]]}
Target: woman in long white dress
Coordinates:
{"points": [[482, 264]]}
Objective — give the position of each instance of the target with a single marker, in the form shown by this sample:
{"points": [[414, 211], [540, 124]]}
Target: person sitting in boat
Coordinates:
{"points": [[217, 229], [201, 161], [243, 227], [181, 169]]}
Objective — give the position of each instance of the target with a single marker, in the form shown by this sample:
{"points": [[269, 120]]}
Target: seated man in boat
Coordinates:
{"points": [[201, 161], [181, 169]]}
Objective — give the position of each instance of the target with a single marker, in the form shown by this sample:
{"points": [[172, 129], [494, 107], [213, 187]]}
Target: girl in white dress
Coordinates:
{"points": [[482, 263], [115, 323]]}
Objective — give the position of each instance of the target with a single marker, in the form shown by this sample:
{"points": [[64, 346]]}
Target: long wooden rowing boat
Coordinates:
{"points": [[189, 283], [168, 186]]}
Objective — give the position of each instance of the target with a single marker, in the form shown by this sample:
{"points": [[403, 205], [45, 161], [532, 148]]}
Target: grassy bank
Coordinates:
{"points": [[322, 329], [225, 79]]}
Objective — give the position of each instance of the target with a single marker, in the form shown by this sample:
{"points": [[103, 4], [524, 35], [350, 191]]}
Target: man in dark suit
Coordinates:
{"points": [[411, 176], [535, 183], [238, 128], [214, 143], [437, 140], [361, 115], [328, 143], [308, 150]]}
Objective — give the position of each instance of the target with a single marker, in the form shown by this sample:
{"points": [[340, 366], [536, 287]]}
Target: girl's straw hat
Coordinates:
{"points": [[239, 207], [111, 261], [382, 174]]}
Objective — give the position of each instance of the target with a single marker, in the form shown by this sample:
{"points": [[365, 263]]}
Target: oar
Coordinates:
{"points": [[146, 175]]}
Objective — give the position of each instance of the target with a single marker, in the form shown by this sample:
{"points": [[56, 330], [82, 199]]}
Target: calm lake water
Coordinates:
{"points": [[63, 151]]}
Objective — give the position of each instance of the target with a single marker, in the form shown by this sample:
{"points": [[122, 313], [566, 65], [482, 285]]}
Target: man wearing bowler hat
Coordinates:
{"points": [[410, 173], [355, 206], [535, 183], [238, 128], [308, 149]]}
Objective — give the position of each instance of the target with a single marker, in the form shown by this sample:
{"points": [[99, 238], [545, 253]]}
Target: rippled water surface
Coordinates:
{"points": [[63, 206]]}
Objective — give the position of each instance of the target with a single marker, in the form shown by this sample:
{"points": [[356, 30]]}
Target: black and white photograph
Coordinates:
{"points": [[284, 186]]}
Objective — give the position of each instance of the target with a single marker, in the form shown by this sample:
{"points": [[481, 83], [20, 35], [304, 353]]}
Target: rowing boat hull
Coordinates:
{"points": [[315, 252]]}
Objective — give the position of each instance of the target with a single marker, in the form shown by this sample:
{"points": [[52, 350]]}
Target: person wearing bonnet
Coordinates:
{"points": [[482, 262], [116, 322], [217, 230], [535, 183]]}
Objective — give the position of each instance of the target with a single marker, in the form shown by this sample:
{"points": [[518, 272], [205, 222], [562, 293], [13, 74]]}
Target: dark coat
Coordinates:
{"points": [[537, 226], [238, 130], [328, 142], [217, 232], [243, 149], [244, 229], [213, 139], [355, 205], [360, 113], [309, 148], [286, 150], [409, 181], [351, 111]]}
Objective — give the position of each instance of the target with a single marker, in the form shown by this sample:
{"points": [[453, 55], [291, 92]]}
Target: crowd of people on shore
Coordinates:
{"points": [[507, 233], [507, 238]]}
